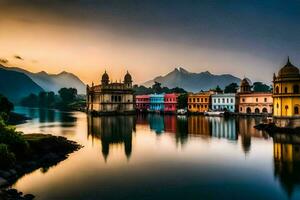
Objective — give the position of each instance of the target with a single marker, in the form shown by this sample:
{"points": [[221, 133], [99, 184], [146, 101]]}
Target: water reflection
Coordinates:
{"points": [[287, 161], [112, 130]]}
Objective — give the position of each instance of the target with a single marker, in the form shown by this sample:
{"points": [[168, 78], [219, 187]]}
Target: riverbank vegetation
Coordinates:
{"points": [[66, 99]]}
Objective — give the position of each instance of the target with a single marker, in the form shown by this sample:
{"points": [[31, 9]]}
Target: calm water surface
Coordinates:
{"points": [[163, 157]]}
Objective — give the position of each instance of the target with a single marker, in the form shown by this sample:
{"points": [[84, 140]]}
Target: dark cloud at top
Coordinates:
{"points": [[267, 29]]}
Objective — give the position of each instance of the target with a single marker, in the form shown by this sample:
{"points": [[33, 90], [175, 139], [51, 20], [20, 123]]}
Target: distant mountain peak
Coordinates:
{"points": [[193, 82]]}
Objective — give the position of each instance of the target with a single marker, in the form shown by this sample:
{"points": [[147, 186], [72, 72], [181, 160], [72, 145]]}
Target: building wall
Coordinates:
{"points": [[157, 102], [286, 100], [224, 101], [200, 102], [142, 102], [170, 101], [255, 103]]}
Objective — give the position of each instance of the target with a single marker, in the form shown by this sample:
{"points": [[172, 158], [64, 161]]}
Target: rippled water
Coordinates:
{"points": [[163, 157]]}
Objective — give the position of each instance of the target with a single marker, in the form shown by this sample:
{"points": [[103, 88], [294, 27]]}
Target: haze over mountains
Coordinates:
{"points": [[193, 82], [52, 82]]}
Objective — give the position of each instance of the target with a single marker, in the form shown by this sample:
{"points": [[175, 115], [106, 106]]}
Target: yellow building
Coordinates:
{"points": [[286, 92], [199, 102]]}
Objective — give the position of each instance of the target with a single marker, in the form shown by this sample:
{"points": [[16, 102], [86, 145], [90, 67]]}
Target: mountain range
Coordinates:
{"points": [[52, 82], [15, 85], [193, 82]]}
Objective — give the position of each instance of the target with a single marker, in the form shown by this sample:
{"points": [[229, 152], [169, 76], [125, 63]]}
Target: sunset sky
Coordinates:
{"points": [[149, 37]]}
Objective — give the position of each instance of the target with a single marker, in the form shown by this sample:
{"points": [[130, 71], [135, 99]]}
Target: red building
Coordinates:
{"points": [[142, 102], [170, 102]]}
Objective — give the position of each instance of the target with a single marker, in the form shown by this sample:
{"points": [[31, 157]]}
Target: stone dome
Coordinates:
{"points": [[289, 70], [128, 78], [245, 82], [105, 77]]}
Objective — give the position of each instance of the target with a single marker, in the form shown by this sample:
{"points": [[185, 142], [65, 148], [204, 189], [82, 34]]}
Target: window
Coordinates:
{"points": [[231, 100], [277, 90], [227, 100], [285, 90], [193, 99], [201, 99], [198, 106], [243, 100], [190, 106], [296, 110], [194, 106], [223, 100], [218, 100], [241, 109], [197, 99], [205, 106], [215, 101], [205, 99], [201, 106], [296, 89], [265, 99], [256, 99]]}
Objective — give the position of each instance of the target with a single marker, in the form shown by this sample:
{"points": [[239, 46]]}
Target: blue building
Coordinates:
{"points": [[157, 102], [226, 101]]}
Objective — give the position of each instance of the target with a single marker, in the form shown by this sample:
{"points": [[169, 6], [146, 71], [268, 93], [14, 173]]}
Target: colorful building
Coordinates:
{"points": [[199, 102], [170, 103], [142, 102], [286, 92], [254, 102], [157, 102], [226, 101]]}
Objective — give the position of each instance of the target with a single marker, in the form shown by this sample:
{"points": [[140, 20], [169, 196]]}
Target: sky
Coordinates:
{"points": [[150, 37]]}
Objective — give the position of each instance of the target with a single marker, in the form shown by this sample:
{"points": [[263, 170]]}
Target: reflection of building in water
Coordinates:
{"points": [[223, 128], [246, 131], [156, 122], [170, 123], [287, 160], [181, 129], [112, 131], [198, 125]]}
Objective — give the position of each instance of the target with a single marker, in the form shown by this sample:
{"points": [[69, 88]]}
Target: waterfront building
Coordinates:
{"points": [[226, 101], [286, 92], [170, 101], [157, 102], [142, 102], [254, 102], [199, 102], [111, 97]]}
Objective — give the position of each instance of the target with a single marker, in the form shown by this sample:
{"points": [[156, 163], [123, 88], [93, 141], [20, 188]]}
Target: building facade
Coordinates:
{"points": [[111, 97], [286, 92], [199, 102], [142, 102], [226, 101], [254, 102], [170, 101], [157, 102]]}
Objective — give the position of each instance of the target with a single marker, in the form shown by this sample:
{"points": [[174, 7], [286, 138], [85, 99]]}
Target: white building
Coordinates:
{"points": [[226, 101]]}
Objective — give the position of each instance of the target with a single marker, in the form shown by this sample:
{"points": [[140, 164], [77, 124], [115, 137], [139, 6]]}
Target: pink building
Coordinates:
{"points": [[142, 102], [170, 102]]}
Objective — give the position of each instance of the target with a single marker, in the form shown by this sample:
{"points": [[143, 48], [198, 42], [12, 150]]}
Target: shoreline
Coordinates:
{"points": [[48, 151]]}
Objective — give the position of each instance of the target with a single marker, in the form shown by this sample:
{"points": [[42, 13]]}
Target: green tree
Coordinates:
{"points": [[5, 105], [261, 87], [231, 88], [42, 99], [67, 95], [50, 99], [30, 101], [156, 87], [182, 101]]}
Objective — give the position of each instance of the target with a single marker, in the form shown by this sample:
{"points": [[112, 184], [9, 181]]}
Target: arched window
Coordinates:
{"points": [[264, 110], [248, 110], [296, 110], [256, 110], [296, 89], [277, 90]]}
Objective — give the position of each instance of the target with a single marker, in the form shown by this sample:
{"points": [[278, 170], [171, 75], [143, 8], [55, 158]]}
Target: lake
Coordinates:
{"points": [[163, 157]]}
